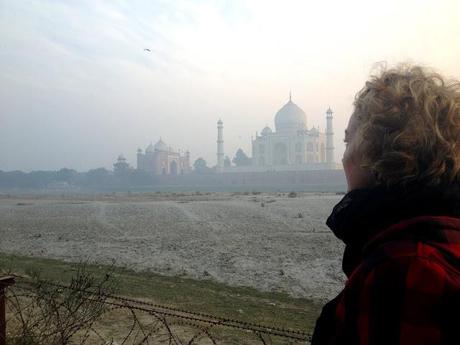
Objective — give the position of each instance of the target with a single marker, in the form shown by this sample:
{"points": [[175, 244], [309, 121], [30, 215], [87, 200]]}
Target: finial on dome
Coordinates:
{"points": [[290, 96]]}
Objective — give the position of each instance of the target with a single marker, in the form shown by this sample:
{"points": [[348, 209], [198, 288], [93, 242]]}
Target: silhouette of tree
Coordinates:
{"points": [[241, 159], [39, 179], [99, 176], [141, 177], [227, 162], [67, 175], [200, 166]]}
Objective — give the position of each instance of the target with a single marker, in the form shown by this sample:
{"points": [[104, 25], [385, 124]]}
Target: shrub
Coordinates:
{"points": [[44, 312]]}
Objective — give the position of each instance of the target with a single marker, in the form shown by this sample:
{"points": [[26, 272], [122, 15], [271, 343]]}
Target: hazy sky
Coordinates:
{"points": [[77, 87]]}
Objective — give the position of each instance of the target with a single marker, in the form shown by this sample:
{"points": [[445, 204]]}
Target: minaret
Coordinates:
{"points": [[187, 161], [329, 140], [220, 145], [140, 160]]}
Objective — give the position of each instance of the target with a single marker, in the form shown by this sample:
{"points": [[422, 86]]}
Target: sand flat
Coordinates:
{"points": [[267, 241]]}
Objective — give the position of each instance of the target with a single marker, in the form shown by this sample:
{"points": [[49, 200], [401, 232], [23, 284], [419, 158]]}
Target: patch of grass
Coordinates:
{"points": [[208, 296]]}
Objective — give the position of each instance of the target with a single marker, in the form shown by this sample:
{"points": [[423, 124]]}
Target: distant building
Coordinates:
{"points": [[292, 146], [161, 159], [121, 166]]}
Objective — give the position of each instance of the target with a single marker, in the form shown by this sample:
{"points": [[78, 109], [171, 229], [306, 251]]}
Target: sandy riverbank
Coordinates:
{"points": [[268, 241]]}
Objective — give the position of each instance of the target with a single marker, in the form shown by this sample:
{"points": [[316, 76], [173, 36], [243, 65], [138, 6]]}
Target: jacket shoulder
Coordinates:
{"points": [[400, 258], [401, 294]]}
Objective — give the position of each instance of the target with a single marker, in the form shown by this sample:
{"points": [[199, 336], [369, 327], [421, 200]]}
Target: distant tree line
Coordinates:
{"points": [[122, 175], [99, 178], [240, 160], [65, 178]]}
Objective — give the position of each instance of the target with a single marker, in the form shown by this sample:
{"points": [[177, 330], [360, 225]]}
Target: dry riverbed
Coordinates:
{"points": [[271, 242]]}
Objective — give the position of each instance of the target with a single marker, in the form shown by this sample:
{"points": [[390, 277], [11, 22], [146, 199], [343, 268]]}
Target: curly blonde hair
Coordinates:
{"points": [[409, 126]]}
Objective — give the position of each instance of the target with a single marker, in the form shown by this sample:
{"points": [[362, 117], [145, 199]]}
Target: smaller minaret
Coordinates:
{"points": [[140, 159], [220, 145], [187, 161], [329, 140]]}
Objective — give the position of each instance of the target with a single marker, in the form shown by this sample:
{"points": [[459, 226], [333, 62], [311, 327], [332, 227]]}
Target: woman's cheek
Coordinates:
{"points": [[357, 176], [347, 158]]}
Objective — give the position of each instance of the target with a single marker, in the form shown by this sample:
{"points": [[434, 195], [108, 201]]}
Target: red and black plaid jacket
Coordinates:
{"points": [[403, 283]]}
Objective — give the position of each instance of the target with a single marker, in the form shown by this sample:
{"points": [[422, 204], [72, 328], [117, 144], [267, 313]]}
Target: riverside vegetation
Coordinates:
{"points": [[209, 297]]}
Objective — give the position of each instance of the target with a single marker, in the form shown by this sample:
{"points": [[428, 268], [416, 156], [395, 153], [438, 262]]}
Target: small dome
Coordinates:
{"points": [[150, 148], [290, 118], [267, 130], [161, 146]]}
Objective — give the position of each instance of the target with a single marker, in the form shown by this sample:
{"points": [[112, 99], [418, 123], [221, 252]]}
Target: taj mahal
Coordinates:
{"points": [[291, 146]]}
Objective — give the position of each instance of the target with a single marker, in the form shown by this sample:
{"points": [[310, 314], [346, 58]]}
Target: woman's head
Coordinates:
{"points": [[405, 128]]}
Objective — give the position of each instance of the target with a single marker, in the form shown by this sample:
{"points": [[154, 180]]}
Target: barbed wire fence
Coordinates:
{"points": [[86, 314]]}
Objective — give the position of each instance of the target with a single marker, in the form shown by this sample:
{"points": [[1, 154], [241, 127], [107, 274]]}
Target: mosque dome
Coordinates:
{"points": [[149, 149], [161, 146], [290, 118], [267, 130]]}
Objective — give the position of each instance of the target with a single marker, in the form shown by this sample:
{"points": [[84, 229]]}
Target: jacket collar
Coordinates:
{"points": [[364, 213]]}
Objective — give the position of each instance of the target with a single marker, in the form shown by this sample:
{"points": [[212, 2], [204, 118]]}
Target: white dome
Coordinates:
{"points": [[290, 118], [161, 146]]}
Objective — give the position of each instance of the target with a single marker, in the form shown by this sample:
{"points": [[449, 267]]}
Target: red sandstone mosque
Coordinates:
{"points": [[161, 159]]}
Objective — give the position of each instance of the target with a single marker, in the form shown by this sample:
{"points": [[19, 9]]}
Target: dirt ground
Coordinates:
{"points": [[272, 242]]}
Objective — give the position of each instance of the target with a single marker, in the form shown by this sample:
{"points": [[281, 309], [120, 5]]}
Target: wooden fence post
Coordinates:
{"points": [[4, 283]]}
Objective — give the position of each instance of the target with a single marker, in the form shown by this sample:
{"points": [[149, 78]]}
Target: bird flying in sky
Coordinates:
{"points": [[147, 49]]}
